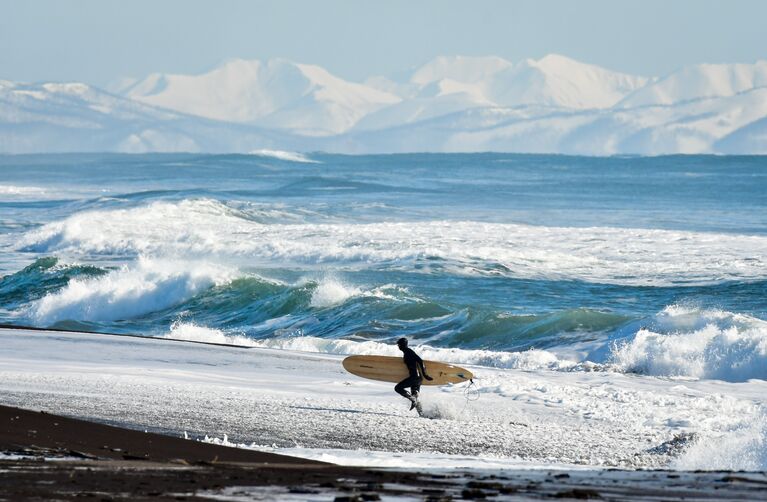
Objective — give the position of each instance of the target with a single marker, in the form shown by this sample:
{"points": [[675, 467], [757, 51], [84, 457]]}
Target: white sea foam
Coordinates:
{"points": [[207, 229], [526, 360], [131, 291], [284, 155], [741, 449], [689, 342], [300, 400], [192, 332], [387, 459], [330, 291], [437, 408], [21, 190], [700, 344]]}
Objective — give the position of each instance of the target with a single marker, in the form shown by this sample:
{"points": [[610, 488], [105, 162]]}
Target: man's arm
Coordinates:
{"points": [[423, 369]]}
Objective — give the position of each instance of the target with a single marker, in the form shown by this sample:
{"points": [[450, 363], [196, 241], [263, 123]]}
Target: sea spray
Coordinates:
{"points": [[528, 360], [330, 291], [742, 448], [440, 408], [192, 332], [209, 229], [697, 343], [128, 292]]}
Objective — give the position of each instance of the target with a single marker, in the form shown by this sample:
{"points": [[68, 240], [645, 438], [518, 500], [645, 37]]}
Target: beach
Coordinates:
{"points": [[128, 460], [403, 251], [611, 310]]}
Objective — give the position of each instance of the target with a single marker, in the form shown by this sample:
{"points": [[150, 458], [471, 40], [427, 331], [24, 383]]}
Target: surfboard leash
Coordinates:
{"points": [[471, 392]]}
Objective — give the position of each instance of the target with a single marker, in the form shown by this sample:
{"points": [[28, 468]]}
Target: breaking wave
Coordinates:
{"points": [[525, 360], [332, 292], [729, 347], [203, 301], [22, 191], [191, 332], [128, 292], [205, 229], [284, 155], [689, 342]]}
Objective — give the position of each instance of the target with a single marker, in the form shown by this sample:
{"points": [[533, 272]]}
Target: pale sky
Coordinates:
{"points": [[97, 41]]}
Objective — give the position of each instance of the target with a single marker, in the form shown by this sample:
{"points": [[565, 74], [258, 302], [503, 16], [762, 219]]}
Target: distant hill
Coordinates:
{"points": [[455, 103]]}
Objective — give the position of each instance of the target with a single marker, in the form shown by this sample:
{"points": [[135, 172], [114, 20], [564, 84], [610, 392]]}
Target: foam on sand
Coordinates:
{"points": [[191, 332], [387, 459], [298, 400], [741, 449]]}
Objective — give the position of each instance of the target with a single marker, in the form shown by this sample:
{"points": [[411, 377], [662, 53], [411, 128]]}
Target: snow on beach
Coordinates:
{"points": [[304, 403]]}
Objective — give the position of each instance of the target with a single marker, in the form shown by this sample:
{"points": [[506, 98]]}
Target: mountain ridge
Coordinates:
{"points": [[451, 103]]}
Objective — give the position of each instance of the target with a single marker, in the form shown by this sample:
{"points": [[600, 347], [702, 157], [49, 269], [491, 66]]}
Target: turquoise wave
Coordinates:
{"points": [[261, 308]]}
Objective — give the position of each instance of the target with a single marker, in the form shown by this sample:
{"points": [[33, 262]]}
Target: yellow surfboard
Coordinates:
{"points": [[393, 369]]}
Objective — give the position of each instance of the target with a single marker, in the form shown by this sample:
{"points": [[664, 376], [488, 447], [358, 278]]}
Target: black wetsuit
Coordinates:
{"points": [[415, 367]]}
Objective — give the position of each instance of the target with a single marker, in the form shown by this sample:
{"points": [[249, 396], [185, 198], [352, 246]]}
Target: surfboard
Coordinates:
{"points": [[393, 369]]}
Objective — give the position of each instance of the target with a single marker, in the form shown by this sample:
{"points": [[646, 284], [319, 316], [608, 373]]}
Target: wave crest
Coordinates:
{"points": [[127, 292], [206, 229], [192, 332], [329, 292], [285, 155], [21, 191], [711, 344]]}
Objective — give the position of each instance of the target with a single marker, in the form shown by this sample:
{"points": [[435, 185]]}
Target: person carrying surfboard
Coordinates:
{"points": [[417, 373]]}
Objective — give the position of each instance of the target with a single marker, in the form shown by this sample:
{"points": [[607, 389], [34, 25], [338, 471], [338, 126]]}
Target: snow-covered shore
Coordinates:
{"points": [[305, 404]]}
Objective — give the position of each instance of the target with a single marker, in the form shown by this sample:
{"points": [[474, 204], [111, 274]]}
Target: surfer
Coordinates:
{"points": [[417, 373]]}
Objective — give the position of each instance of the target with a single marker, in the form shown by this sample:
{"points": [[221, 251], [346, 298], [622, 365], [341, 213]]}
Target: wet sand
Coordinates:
{"points": [[45, 456]]}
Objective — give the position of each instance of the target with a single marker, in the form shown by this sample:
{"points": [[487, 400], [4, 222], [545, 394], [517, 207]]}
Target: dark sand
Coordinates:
{"points": [[44, 456]]}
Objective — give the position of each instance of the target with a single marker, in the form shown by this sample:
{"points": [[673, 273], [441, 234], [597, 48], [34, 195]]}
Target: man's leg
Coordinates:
{"points": [[415, 389], [400, 389]]}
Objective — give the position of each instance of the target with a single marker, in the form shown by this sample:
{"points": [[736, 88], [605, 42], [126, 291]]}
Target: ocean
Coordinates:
{"points": [[613, 310], [651, 265]]}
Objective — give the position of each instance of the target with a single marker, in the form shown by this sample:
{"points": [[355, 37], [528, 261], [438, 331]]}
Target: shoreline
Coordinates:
{"points": [[14, 327], [85, 381], [43, 455]]}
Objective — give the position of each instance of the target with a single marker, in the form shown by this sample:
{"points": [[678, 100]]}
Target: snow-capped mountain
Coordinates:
{"points": [[559, 81], [469, 70], [458, 103], [449, 84], [734, 124], [699, 82], [75, 117], [277, 94], [553, 81]]}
